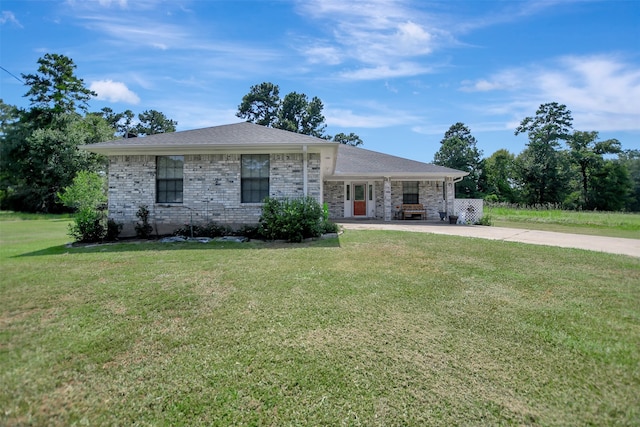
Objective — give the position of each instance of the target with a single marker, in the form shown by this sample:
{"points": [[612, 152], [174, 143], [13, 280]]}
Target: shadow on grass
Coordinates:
{"points": [[155, 245]]}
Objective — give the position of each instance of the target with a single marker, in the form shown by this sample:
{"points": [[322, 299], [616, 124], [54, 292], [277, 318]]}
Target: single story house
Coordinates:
{"points": [[222, 174]]}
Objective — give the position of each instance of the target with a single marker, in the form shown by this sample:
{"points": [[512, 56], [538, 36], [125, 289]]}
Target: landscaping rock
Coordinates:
{"points": [[173, 239], [236, 239]]}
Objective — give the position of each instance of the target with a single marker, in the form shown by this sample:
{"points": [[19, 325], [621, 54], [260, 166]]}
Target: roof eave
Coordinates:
{"points": [[397, 176], [161, 150]]}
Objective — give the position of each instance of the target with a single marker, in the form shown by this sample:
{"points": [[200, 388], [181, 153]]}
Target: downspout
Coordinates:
{"points": [[305, 178]]}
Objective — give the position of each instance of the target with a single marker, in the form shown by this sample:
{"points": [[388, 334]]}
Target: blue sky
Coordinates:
{"points": [[396, 72]]}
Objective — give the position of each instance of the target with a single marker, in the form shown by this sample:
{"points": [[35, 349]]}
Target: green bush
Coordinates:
{"points": [[188, 231], [210, 229], [291, 219], [88, 225], [86, 196], [86, 191], [113, 230], [144, 229], [329, 227], [249, 231], [485, 220]]}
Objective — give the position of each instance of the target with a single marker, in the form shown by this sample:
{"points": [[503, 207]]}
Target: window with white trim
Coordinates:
{"points": [[169, 179], [410, 192], [254, 178]]}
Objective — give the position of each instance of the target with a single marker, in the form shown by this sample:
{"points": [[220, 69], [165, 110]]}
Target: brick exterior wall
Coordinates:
{"points": [[430, 195], [334, 198], [211, 189]]}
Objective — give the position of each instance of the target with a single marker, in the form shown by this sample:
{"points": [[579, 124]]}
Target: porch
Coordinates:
{"points": [[385, 200]]}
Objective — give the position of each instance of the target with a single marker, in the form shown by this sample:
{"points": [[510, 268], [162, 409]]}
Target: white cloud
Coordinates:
{"points": [[107, 3], [114, 92], [8, 16], [385, 71], [414, 37], [122, 4], [603, 92], [370, 115], [376, 35], [135, 33], [328, 55]]}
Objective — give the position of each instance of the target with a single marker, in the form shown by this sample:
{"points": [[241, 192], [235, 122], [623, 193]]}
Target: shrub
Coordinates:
{"points": [[329, 227], [86, 191], [249, 231], [87, 197], [491, 198], [144, 229], [485, 220], [113, 230], [291, 219], [88, 225], [210, 229], [188, 230]]}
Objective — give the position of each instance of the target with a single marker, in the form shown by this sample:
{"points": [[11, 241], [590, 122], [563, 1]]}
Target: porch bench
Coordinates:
{"points": [[414, 209]]}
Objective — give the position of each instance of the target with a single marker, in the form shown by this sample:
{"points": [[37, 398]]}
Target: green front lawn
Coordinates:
{"points": [[373, 328], [611, 224]]}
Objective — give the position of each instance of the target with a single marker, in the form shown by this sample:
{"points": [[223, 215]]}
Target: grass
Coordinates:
{"points": [[373, 328], [612, 224]]}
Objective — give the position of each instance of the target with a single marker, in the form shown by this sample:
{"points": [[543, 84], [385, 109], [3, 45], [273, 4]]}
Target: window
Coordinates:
{"points": [[254, 178], [410, 192], [169, 179]]}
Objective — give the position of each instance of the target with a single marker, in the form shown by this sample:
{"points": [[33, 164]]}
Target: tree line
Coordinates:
{"points": [[559, 166], [39, 152]]}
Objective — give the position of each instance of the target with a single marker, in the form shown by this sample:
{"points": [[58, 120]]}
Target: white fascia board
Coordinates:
{"points": [[397, 177], [163, 150]]}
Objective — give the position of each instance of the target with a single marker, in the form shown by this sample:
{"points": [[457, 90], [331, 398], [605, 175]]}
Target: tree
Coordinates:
{"points": [[298, 115], [351, 139], [631, 160], [39, 161], [86, 191], [39, 147], [55, 87], [586, 152], [122, 123], [458, 150], [153, 122], [610, 186], [500, 172], [295, 113], [9, 115], [261, 105], [540, 163]]}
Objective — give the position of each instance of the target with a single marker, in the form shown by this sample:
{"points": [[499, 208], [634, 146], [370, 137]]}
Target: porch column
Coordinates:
{"points": [[387, 198], [450, 195]]}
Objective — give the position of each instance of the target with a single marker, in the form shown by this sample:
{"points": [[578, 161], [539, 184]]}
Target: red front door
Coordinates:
{"points": [[359, 200]]}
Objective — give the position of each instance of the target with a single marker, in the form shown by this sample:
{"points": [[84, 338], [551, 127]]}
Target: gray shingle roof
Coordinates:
{"points": [[237, 134], [350, 161], [355, 161]]}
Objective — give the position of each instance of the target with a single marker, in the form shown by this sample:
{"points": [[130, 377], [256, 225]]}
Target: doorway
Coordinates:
{"points": [[359, 200]]}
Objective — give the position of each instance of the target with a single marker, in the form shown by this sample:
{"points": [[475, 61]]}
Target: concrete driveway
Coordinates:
{"points": [[612, 245]]}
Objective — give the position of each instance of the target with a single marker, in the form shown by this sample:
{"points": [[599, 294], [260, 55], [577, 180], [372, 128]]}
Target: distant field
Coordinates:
{"points": [[373, 328], [613, 224]]}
